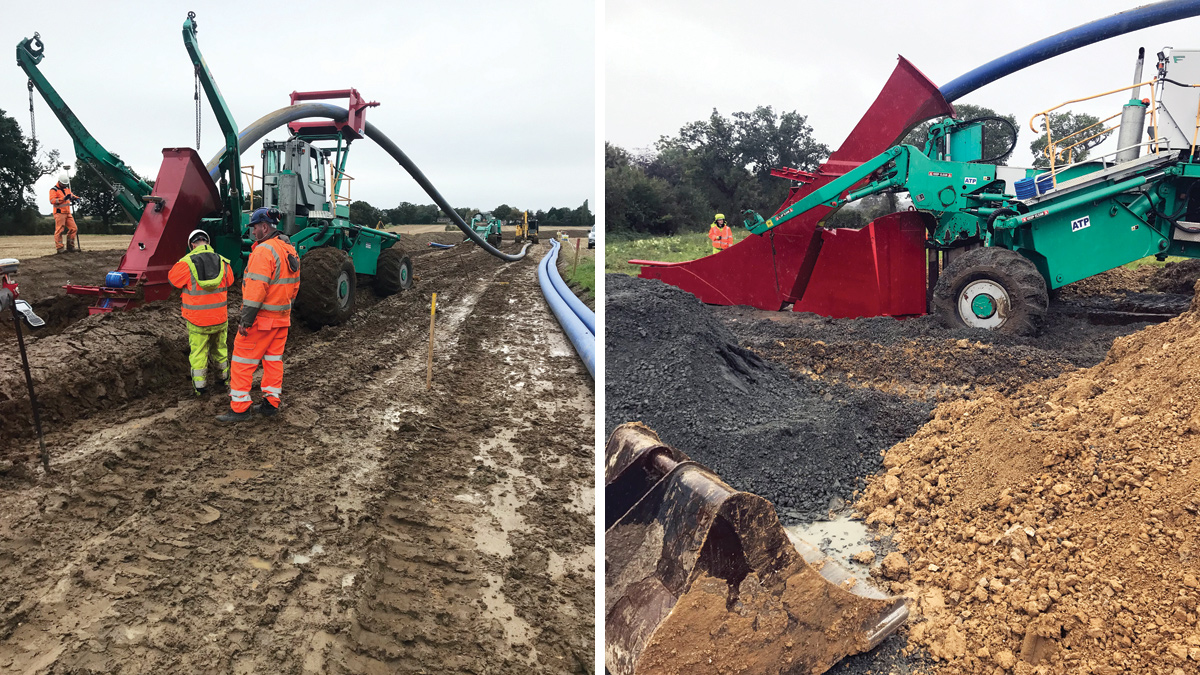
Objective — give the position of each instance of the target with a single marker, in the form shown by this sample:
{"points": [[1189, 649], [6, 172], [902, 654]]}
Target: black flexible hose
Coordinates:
{"points": [[251, 134]]}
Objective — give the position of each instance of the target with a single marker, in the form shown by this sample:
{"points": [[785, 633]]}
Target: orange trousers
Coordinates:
{"points": [[65, 221], [257, 346]]}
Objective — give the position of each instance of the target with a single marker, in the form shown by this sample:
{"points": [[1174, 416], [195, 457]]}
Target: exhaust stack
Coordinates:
{"points": [[1133, 117]]}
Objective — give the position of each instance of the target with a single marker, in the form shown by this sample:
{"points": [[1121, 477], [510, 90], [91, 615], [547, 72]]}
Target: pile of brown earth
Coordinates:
{"points": [[1054, 529]]}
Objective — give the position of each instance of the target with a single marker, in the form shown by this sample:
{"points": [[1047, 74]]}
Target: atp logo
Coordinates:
{"points": [[1081, 223]]}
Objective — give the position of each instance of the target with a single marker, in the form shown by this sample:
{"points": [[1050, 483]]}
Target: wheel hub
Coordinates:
{"points": [[983, 304], [343, 289]]}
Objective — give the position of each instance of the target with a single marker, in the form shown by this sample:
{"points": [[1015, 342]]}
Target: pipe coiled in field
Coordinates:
{"points": [[583, 339], [271, 121]]}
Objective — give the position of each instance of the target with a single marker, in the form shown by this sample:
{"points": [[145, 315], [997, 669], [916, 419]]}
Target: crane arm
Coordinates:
{"points": [[87, 149], [231, 158], [831, 194]]}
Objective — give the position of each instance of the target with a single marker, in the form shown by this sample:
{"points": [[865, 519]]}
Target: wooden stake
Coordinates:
{"points": [[576, 265], [429, 367]]}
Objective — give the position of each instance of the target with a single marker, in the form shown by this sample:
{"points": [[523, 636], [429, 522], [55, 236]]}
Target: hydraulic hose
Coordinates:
{"points": [[587, 316], [577, 332], [1074, 38], [271, 121]]}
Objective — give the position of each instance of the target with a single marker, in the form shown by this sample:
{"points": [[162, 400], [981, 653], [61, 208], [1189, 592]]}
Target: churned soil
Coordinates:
{"points": [[803, 444], [374, 525], [1054, 528]]}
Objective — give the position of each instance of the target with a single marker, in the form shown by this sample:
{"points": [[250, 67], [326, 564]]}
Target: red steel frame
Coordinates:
{"points": [[352, 127], [878, 270]]}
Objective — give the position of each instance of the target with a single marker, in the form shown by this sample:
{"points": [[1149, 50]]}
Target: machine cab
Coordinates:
{"points": [[294, 181]]}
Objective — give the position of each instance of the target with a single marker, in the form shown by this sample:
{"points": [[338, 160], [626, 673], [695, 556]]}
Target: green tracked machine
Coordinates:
{"points": [[1008, 235], [487, 226]]}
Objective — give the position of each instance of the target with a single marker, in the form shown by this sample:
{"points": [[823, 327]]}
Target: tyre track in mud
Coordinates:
{"points": [[164, 542]]}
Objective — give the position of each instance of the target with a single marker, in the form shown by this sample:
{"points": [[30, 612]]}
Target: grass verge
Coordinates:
{"points": [[619, 250]]}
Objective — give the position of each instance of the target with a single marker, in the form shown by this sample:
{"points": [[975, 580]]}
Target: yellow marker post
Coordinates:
{"points": [[429, 367], [576, 265]]}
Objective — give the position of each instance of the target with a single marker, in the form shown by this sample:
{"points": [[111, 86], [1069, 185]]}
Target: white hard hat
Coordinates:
{"points": [[62, 177], [202, 233]]}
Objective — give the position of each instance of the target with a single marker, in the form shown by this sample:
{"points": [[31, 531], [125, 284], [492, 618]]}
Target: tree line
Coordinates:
{"points": [[406, 213], [723, 165]]}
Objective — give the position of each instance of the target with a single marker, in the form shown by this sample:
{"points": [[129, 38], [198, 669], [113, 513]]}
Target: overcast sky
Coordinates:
{"points": [[495, 102], [669, 62]]}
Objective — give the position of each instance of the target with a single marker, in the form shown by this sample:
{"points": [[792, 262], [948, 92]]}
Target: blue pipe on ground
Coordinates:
{"points": [[1074, 38], [434, 244], [583, 340], [587, 316]]}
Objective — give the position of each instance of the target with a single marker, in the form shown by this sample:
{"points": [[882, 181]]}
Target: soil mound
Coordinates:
{"points": [[1175, 277], [804, 445], [96, 363], [1054, 529]]}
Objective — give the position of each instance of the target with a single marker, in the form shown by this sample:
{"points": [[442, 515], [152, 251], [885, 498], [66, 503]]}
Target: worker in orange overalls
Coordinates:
{"points": [[205, 278], [269, 285], [720, 234], [62, 199]]}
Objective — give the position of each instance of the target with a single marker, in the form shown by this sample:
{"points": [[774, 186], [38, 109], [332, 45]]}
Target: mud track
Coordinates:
{"points": [[373, 526]]}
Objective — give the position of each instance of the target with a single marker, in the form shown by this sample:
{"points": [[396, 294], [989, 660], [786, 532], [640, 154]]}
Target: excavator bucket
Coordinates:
{"points": [[701, 578], [878, 270]]}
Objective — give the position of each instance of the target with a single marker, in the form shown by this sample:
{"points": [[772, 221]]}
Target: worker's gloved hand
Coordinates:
{"points": [[242, 331], [6, 299]]}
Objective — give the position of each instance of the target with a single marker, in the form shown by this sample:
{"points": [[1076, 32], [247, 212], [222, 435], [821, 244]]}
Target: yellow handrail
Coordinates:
{"points": [[249, 171], [1045, 115], [337, 177]]}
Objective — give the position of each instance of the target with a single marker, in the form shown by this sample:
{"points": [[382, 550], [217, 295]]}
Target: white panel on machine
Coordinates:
{"points": [[1177, 112]]}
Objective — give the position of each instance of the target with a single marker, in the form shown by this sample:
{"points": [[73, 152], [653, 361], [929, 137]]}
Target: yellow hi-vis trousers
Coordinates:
{"points": [[202, 339]]}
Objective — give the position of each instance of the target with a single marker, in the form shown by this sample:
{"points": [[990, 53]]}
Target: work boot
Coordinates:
{"points": [[200, 391], [60, 251], [232, 416], [265, 409]]}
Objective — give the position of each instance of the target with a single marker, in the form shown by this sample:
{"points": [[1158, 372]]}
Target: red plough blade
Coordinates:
{"points": [[187, 194], [878, 270]]}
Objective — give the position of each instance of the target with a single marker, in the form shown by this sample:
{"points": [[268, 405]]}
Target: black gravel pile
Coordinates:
{"points": [[804, 445]]}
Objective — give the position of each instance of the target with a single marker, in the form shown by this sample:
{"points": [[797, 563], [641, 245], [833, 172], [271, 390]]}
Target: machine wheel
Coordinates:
{"points": [[494, 239], [534, 239], [327, 287], [992, 288], [393, 272]]}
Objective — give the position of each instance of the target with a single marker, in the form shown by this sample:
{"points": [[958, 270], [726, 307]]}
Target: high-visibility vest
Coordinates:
{"points": [[60, 197], [270, 284], [205, 278], [722, 237]]}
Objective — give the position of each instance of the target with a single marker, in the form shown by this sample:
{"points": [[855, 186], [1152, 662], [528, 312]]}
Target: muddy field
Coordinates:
{"points": [[373, 526], [800, 409]]}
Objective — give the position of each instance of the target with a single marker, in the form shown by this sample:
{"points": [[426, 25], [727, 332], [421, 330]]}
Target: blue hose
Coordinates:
{"points": [[434, 244], [577, 332], [1074, 38], [587, 316]]}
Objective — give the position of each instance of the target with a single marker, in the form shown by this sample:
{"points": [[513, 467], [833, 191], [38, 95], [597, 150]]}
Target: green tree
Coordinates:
{"points": [[1062, 126], [997, 137], [363, 213], [503, 212], [18, 169], [96, 198]]}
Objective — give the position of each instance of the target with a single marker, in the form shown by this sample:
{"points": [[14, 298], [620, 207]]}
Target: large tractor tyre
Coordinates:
{"points": [[327, 287], [393, 272], [992, 288], [494, 239]]}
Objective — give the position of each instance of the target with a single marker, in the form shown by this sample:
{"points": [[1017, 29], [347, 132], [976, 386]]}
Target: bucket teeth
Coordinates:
{"points": [[700, 577]]}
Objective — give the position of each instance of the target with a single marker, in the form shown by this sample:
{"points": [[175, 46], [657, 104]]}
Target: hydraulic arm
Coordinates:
{"points": [[130, 190], [231, 163]]}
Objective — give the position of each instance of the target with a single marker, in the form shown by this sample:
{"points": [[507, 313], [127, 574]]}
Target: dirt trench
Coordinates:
{"points": [[373, 526]]}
